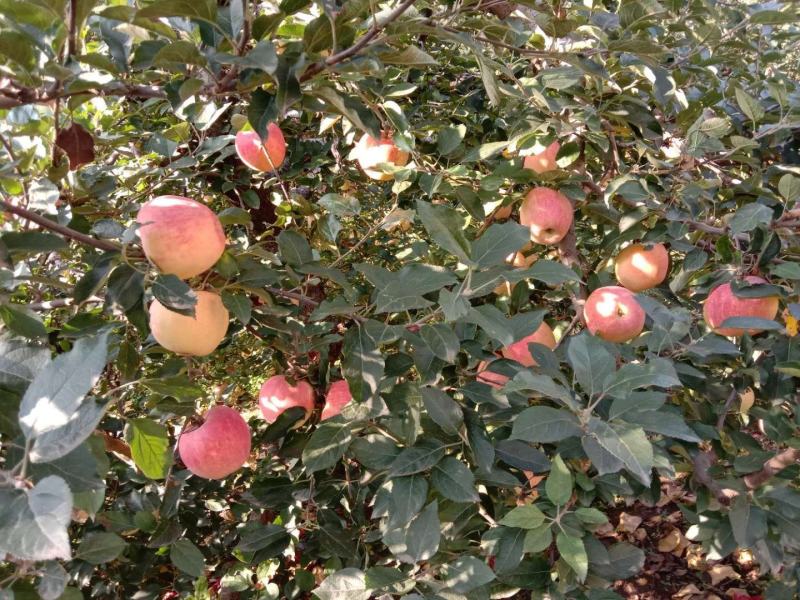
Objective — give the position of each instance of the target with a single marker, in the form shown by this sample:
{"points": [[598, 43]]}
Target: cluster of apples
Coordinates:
{"points": [[610, 312], [221, 445]]}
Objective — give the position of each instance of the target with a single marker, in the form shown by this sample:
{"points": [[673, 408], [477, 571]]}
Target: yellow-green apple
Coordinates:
{"points": [[370, 153], [219, 446], [547, 213], [544, 161], [278, 395], [265, 155], [193, 336], [180, 236], [519, 352], [723, 304], [336, 399], [484, 375], [613, 313], [640, 267]]}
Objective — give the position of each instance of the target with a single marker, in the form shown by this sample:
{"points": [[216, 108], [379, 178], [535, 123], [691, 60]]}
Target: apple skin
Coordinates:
{"points": [[278, 395], [484, 375], [220, 446], [518, 351], [547, 213], [544, 161], [613, 314], [336, 399], [640, 267], [723, 304], [181, 236], [370, 153], [192, 336], [260, 155]]}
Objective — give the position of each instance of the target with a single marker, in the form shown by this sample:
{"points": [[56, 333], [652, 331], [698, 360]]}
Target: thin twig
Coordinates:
{"points": [[726, 408], [28, 215]]}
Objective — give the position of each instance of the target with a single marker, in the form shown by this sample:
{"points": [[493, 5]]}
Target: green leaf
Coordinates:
{"points": [[627, 444], [416, 459], [544, 424], [466, 574], [410, 56], [125, 287], [187, 557], [53, 581], [239, 305], [33, 522], [363, 363], [22, 321], [665, 423], [560, 78], [454, 481], [268, 540], [340, 206], [590, 361], [442, 341], [150, 450], [558, 485], [450, 139], [749, 105], [658, 372], [591, 516], [406, 498], [98, 548], [539, 539], [294, 248], [59, 442], [446, 227], [179, 53], [526, 516], [444, 411], [53, 398], [32, 242], [327, 445], [497, 242], [789, 187], [549, 272], [749, 217], [344, 584], [489, 318], [423, 535], [175, 294], [204, 10], [573, 552]]}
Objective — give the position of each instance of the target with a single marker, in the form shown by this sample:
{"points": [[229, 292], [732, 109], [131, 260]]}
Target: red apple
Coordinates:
{"points": [[336, 399], [193, 336], [613, 314], [722, 304], [547, 213], [544, 161], [642, 266], [484, 375], [519, 352], [520, 261], [278, 395], [370, 153], [180, 236], [262, 155], [217, 448]]}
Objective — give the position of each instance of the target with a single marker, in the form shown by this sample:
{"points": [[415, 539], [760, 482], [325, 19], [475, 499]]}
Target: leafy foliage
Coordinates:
{"points": [[678, 124]]}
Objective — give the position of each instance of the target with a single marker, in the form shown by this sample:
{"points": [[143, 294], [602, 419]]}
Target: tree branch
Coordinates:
{"points": [[30, 96], [773, 466], [702, 462], [568, 252], [28, 215], [334, 59]]}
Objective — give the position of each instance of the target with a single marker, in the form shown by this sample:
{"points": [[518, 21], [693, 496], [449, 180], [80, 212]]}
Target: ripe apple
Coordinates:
{"points": [[518, 351], [194, 336], [180, 236], [723, 304], [642, 266], [217, 448], [613, 314], [262, 155], [336, 399], [484, 375], [544, 161], [520, 261], [278, 395], [547, 213], [370, 153]]}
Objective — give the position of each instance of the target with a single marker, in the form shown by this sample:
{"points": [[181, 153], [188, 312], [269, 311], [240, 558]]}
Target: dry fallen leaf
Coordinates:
{"points": [[746, 400], [670, 541], [721, 573], [628, 523], [687, 590]]}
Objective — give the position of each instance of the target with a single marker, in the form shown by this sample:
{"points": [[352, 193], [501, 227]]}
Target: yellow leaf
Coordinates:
{"points": [[746, 399], [791, 323], [722, 572]]}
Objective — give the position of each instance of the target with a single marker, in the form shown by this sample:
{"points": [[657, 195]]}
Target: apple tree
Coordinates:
{"points": [[399, 299]]}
